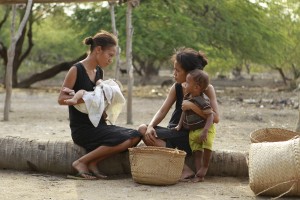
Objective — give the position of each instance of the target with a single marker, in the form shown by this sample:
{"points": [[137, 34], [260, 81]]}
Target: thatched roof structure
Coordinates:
{"points": [[47, 1]]}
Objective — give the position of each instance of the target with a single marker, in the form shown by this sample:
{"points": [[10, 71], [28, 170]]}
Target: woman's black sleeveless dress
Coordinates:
{"points": [[173, 138], [83, 132]]}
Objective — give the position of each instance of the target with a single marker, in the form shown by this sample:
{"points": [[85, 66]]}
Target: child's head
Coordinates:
{"points": [[196, 82]]}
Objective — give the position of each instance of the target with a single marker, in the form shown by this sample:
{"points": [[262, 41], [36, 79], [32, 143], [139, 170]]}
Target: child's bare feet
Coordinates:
{"points": [[197, 179]]}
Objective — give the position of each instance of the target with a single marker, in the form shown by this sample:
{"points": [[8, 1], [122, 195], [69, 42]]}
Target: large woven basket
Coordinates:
{"points": [[274, 168], [272, 135], [156, 165]]}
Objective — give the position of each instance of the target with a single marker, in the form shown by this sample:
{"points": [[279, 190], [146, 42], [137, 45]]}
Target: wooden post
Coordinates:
{"points": [[11, 56], [129, 33], [115, 32]]}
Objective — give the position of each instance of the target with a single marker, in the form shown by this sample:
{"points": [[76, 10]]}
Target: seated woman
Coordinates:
{"points": [[104, 140], [185, 60]]}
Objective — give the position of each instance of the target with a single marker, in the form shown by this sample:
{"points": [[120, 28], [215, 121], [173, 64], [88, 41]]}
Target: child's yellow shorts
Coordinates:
{"points": [[194, 139]]}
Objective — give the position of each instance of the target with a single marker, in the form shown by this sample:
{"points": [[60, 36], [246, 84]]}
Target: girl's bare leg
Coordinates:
{"points": [[93, 165], [90, 160], [158, 142]]}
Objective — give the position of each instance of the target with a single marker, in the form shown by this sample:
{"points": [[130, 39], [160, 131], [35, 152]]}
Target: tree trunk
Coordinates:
{"points": [[114, 29], [11, 56], [282, 75], [58, 156]]}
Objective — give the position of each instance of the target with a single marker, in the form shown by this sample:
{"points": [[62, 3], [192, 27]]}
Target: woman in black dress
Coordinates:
{"points": [[104, 140]]}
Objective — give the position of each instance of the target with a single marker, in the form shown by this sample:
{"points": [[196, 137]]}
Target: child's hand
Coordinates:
{"points": [[203, 135], [177, 128], [68, 91]]}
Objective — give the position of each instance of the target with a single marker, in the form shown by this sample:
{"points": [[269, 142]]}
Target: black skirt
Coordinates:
{"points": [[174, 139], [90, 137]]}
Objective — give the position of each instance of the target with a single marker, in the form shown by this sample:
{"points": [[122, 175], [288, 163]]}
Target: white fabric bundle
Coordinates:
{"points": [[108, 97]]}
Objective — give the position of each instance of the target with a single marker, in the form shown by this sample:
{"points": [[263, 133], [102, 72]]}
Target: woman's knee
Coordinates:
{"points": [[134, 141], [142, 129]]}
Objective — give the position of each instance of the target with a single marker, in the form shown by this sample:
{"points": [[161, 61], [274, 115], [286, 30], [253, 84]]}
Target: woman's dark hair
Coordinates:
{"points": [[103, 39], [190, 59]]}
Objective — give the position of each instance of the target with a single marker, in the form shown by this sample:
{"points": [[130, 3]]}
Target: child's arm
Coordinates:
{"points": [[209, 122], [75, 99]]}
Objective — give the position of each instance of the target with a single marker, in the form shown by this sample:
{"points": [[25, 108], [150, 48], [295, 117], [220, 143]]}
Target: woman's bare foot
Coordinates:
{"points": [[95, 171], [187, 174], [82, 170]]}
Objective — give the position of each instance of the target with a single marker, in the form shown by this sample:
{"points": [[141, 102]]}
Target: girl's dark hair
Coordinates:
{"points": [[103, 39], [190, 59]]}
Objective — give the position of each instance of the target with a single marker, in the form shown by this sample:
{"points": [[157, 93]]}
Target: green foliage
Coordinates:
{"points": [[261, 33], [53, 42]]}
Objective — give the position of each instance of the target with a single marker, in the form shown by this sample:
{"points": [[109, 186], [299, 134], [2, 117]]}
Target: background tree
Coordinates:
{"points": [[54, 45], [236, 36]]}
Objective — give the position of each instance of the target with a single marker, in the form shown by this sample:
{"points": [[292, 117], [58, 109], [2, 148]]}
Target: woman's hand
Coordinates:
{"points": [[150, 135]]}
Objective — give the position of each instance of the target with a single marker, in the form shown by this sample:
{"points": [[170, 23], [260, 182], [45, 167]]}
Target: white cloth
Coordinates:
{"points": [[107, 96]]}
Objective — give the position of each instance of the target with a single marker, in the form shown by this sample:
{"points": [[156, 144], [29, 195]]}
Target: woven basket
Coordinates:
{"points": [[274, 168], [156, 165], [272, 135]]}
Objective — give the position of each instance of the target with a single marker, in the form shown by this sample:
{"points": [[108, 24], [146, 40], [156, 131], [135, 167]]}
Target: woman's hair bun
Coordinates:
{"points": [[88, 41], [203, 58]]}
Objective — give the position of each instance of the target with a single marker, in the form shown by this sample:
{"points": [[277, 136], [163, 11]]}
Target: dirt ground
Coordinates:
{"points": [[36, 115]]}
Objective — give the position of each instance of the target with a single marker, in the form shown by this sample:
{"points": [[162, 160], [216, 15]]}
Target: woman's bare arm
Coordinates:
{"points": [[211, 93], [160, 115], [164, 109], [69, 82]]}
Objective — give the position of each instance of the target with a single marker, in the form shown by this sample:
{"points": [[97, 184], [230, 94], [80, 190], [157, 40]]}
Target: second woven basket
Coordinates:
{"points": [[156, 165], [272, 135]]}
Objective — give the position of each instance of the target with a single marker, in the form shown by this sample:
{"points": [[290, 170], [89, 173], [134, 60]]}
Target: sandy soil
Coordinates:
{"points": [[36, 114]]}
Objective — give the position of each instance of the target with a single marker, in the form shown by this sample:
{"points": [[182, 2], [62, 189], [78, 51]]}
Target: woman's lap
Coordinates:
{"points": [[105, 135], [174, 139]]}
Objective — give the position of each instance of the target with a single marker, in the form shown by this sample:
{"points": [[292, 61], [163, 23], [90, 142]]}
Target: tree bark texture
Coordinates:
{"points": [[57, 157]]}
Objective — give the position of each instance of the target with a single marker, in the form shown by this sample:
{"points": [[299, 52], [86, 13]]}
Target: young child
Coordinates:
{"points": [[106, 99], [202, 131]]}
